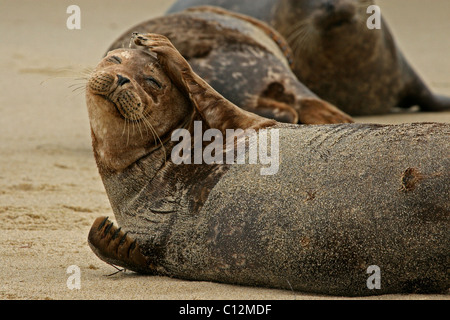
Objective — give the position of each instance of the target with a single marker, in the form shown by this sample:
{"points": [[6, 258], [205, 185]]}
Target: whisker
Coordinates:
{"points": [[128, 132], [138, 124], [299, 35], [302, 42], [155, 135], [82, 88], [132, 124], [149, 126], [82, 79], [76, 85], [83, 74], [296, 26], [144, 122], [124, 127], [76, 94]]}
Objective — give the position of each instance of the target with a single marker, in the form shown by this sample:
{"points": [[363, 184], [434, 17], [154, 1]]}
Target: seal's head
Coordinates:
{"points": [[330, 15], [325, 24], [137, 98], [133, 107]]}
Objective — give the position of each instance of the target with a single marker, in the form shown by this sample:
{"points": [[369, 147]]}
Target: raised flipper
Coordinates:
{"points": [[217, 111]]}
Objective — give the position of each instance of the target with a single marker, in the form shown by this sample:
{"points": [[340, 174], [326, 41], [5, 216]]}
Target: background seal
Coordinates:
{"points": [[361, 71]]}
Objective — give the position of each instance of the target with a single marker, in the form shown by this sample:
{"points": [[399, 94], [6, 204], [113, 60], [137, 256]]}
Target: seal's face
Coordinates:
{"points": [[327, 34], [329, 15], [133, 106], [327, 25]]}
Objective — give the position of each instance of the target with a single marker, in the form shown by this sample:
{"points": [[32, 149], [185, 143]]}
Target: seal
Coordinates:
{"points": [[346, 197], [245, 60], [360, 70]]}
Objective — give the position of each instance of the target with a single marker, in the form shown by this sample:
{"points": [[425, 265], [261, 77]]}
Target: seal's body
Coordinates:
{"points": [[344, 198], [360, 70], [245, 60]]}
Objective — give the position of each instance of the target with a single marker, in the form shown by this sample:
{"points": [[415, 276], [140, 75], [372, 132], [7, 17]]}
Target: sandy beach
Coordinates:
{"points": [[50, 189]]}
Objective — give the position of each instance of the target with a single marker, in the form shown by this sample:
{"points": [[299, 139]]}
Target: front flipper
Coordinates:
{"points": [[317, 111], [116, 247], [273, 109]]}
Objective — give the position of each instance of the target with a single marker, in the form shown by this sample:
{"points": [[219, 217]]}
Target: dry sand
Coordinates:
{"points": [[50, 191]]}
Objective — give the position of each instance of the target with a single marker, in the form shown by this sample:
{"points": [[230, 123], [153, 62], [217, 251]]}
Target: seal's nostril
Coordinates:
{"points": [[122, 80]]}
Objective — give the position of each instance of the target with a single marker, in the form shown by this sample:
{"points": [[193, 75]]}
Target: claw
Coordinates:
{"points": [[122, 241], [105, 232], [132, 246], [100, 226], [116, 234]]}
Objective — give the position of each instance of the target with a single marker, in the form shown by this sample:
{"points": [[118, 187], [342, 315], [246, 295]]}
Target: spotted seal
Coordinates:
{"points": [[245, 60], [360, 70], [346, 197]]}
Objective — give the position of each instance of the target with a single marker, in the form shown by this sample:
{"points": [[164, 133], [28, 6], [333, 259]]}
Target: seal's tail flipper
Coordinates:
{"points": [[440, 103], [426, 100], [116, 247], [417, 93]]}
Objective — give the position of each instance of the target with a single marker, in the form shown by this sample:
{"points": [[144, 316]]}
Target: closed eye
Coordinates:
{"points": [[153, 82], [115, 59]]}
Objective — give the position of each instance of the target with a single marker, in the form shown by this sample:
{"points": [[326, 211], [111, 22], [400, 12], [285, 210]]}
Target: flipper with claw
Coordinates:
{"points": [[116, 247]]}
